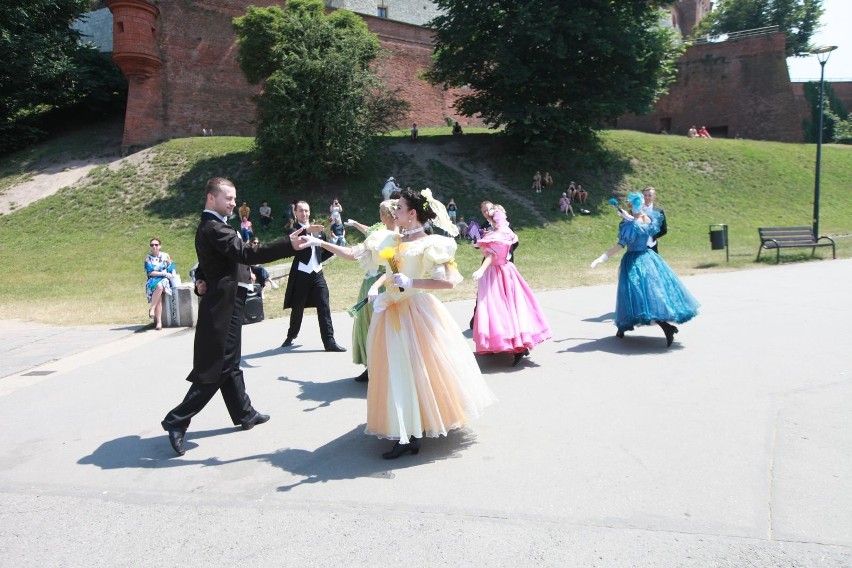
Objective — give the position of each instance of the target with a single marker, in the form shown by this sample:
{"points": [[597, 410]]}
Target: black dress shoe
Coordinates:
{"points": [[363, 377], [335, 347], [669, 330], [619, 334], [517, 358], [257, 418], [175, 437], [398, 449], [288, 342]]}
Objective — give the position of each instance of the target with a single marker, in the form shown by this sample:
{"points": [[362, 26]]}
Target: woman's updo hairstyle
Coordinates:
{"points": [[416, 201]]}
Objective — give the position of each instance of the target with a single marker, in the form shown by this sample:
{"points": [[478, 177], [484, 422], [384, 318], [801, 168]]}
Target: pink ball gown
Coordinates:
{"points": [[508, 317]]}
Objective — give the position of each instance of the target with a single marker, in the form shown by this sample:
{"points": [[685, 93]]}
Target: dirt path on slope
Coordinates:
{"points": [[51, 179], [464, 159]]}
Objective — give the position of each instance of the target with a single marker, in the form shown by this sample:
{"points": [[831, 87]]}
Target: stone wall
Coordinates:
{"points": [[417, 12], [735, 88], [192, 80]]}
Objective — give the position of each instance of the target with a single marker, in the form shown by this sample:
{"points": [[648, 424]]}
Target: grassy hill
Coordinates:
{"points": [[76, 257]]}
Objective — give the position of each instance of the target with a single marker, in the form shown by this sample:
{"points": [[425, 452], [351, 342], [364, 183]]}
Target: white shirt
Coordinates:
{"points": [[314, 264], [648, 209]]}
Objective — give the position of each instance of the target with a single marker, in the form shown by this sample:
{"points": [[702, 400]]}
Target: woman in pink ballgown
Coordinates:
{"points": [[508, 318]]}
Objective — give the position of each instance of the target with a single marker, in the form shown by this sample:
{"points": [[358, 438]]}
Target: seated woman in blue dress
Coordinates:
{"points": [[159, 268], [648, 291]]}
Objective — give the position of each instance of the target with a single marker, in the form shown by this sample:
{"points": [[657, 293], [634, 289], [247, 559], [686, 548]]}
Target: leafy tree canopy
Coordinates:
{"points": [[799, 19], [321, 101], [44, 66], [551, 71]]}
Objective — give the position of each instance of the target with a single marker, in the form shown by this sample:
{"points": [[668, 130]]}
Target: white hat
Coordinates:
{"points": [[390, 178]]}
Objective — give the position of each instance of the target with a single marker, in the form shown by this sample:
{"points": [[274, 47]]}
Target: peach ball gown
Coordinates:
{"points": [[424, 380]]}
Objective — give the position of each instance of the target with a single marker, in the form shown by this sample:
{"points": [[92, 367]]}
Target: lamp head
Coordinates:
{"points": [[823, 52]]}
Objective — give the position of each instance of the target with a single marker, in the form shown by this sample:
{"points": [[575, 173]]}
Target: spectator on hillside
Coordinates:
{"points": [[572, 191], [702, 132], [693, 132], [338, 232], [473, 231], [265, 215], [246, 229], [565, 205], [289, 216], [452, 209], [548, 181], [390, 187], [245, 211], [335, 210], [463, 228], [457, 129], [536, 185], [582, 195], [414, 132]]}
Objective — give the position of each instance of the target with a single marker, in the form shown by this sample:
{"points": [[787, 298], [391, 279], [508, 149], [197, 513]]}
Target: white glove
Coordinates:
{"points": [[311, 241], [600, 259], [372, 295], [403, 281], [349, 222], [477, 274]]}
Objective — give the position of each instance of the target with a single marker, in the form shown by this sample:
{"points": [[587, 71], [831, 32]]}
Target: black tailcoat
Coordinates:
{"points": [[223, 262]]}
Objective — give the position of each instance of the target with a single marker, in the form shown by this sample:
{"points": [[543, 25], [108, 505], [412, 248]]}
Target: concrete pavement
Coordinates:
{"points": [[730, 448]]}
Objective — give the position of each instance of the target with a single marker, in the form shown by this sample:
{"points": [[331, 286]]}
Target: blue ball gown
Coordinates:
{"points": [[648, 290]]}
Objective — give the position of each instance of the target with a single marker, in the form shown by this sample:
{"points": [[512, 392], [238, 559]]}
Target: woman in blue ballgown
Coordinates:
{"points": [[648, 291]]}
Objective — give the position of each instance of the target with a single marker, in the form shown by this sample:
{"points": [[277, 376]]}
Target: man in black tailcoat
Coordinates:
{"points": [[306, 286], [222, 280], [650, 194]]}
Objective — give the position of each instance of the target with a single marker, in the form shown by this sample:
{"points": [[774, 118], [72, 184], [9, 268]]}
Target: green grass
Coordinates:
{"points": [[76, 257]]}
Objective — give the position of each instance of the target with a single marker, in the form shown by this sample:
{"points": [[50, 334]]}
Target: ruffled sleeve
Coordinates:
{"points": [[439, 259], [367, 253]]}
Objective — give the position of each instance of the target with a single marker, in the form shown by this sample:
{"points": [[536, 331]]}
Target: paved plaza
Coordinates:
{"points": [[731, 448]]}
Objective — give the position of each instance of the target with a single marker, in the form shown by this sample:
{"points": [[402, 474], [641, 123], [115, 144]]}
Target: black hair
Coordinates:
{"points": [[416, 201]]}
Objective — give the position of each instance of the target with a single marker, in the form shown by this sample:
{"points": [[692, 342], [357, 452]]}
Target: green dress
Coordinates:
{"points": [[361, 325]]}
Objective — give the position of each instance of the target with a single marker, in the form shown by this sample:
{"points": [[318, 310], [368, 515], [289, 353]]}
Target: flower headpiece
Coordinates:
{"points": [[636, 200], [442, 219]]}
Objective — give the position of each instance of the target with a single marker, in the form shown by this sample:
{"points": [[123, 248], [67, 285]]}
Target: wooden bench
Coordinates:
{"points": [[791, 237]]}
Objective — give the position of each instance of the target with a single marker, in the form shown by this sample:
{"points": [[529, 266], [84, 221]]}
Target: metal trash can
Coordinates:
{"points": [[719, 238]]}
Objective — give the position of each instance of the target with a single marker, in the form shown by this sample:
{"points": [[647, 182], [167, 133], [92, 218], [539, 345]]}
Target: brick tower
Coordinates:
{"points": [[137, 54]]}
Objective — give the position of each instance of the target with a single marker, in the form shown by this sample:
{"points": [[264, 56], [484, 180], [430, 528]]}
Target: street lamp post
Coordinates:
{"points": [[822, 53]]}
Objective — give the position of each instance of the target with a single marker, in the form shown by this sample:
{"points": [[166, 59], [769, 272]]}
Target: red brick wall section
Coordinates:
{"points": [[739, 87], [201, 86]]}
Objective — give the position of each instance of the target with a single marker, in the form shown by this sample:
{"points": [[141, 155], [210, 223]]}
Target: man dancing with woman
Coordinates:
{"points": [[508, 318], [648, 291], [376, 235]]}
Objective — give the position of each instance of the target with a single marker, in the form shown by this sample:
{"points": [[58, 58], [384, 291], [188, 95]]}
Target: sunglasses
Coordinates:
{"points": [[155, 244]]}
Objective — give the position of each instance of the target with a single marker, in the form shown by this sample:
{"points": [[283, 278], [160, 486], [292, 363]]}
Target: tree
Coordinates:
{"points": [[799, 19], [833, 109], [321, 103], [552, 72], [44, 66]]}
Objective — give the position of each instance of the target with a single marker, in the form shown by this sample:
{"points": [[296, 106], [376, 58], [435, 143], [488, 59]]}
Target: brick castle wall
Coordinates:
{"points": [[735, 88], [198, 83]]}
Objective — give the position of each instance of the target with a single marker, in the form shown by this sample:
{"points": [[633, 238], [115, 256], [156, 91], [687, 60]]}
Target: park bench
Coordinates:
{"points": [[791, 237]]}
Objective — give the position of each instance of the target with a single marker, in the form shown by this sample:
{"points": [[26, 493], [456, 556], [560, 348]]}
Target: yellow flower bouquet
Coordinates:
{"points": [[388, 254]]}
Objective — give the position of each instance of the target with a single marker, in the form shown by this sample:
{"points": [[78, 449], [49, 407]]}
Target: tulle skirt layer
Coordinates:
{"points": [[424, 381], [508, 317], [649, 291]]}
